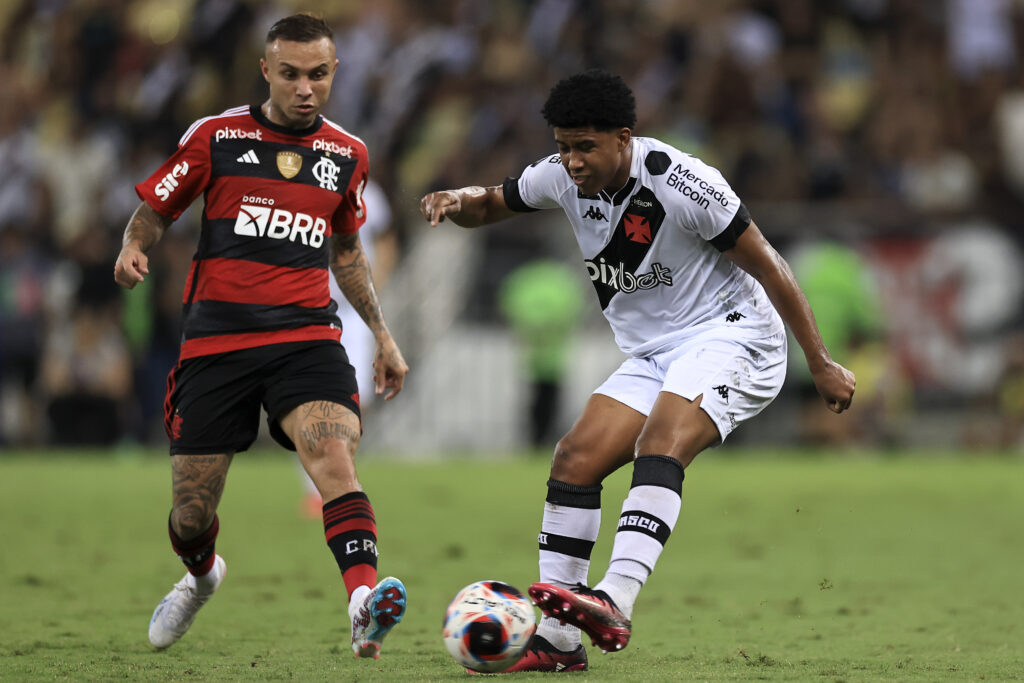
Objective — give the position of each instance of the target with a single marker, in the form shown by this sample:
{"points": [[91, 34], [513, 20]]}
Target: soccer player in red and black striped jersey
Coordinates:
{"points": [[282, 190]]}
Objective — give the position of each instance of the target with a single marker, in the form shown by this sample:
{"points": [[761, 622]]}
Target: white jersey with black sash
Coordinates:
{"points": [[653, 249]]}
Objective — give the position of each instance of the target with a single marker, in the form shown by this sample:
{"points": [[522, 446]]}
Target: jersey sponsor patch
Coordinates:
{"points": [[279, 224], [695, 188], [170, 182]]}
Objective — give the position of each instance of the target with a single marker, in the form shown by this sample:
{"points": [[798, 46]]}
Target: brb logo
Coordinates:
{"points": [[259, 218], [169, 183]]}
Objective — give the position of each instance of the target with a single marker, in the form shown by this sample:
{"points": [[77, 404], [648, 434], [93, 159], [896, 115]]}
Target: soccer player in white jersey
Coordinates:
{"points": [[696, 297]]}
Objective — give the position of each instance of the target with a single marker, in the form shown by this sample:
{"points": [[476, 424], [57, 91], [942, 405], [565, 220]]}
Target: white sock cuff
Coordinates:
{"points": [[624, 571]]}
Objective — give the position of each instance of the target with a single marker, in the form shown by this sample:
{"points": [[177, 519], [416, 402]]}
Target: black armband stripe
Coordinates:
{"points": [[565, 545], [513, 200], [726, 239]]}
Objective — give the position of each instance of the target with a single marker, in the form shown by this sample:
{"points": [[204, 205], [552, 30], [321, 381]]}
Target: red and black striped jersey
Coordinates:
{"points": [[273, 196]]}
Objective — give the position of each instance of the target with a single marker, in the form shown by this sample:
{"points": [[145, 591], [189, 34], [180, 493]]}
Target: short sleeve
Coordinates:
{"points": [[182, 178], [351, 212], [538, 187], [726, 239], [705, 203]]}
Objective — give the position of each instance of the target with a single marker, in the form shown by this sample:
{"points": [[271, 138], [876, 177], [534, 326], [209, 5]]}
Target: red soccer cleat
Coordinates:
{"points": [[540, 655], [593, 612]]}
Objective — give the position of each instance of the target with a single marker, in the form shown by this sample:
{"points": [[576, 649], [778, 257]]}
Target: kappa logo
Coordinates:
{"points": [[723, 391], [248, 158], [734, 316], [169, 183], [638, 228], [594, 213], [326, 173], [279, 224]]}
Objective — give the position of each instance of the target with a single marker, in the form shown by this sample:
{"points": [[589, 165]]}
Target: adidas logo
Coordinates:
{"points": [[248, 158]]}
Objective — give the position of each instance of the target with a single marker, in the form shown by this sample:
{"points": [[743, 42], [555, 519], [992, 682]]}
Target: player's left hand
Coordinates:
{"points": [[836, 385], [389, 369]]}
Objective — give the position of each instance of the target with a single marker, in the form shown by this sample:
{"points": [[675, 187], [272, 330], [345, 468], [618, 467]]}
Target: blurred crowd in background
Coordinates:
{"points": [[885, 135]]}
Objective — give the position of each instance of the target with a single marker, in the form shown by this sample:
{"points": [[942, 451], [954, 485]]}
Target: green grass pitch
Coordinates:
{"points": [[782, 567]]}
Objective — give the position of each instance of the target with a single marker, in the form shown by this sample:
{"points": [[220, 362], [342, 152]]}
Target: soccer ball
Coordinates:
{"points": [[488, 625]]}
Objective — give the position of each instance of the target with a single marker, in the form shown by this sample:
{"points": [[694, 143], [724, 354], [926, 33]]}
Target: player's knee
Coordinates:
{"points": [[571, 464], [337, 450], [682, 445]]}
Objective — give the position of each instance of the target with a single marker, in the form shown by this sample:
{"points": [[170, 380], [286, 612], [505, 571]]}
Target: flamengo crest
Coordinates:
{"points": [[326, 173]]}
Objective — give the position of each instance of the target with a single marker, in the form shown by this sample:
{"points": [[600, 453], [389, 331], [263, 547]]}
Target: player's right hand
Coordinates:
{"points": [[836, 385], [436, 205], [131, 265]]}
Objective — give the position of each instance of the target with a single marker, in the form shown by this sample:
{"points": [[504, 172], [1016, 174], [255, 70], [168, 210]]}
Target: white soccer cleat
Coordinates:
{"points": [[383, 607], [178, 609]]}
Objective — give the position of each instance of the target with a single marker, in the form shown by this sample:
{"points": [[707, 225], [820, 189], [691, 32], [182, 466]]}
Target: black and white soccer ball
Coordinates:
{"points": [[488, 626]]}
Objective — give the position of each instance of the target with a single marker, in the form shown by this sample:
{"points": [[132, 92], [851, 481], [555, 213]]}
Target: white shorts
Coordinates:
{"points": [[737, 377]]}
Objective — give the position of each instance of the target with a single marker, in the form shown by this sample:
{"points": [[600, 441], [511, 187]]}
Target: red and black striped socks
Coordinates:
{"points": [[197, 553], [351, 532]]}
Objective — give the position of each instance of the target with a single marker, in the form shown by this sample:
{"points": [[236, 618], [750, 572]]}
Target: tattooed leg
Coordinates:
{"points": [[198, 482], [326, 436]]}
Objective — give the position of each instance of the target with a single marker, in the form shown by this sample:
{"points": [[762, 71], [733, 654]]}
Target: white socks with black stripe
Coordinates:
{"points": [[649, 514], [572, 520]]}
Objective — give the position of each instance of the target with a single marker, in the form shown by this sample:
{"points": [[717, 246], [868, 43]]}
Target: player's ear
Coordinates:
{"points": [[624, 136], [264, 69]]}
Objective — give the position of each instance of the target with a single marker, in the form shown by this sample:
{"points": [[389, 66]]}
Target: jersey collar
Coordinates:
{"points": [[257, 113]]}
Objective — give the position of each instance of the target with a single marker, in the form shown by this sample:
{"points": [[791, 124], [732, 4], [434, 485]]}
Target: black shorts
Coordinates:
{"points": [[213, 402]]}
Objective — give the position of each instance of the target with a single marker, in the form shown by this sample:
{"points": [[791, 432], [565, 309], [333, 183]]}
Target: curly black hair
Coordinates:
{"points": [[593, 98]]}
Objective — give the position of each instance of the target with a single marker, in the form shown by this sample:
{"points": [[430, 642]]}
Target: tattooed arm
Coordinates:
{"points": [[351, 269], [145, 228]]}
